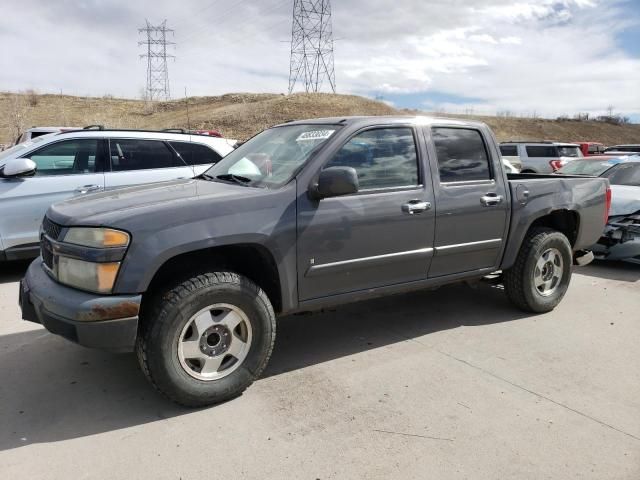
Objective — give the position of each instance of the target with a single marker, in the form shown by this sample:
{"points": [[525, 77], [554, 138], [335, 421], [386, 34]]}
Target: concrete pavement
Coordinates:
{"points": [[447, 384]]}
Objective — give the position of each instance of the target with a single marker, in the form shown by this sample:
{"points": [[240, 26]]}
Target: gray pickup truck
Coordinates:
{"points": [[191, 274]]}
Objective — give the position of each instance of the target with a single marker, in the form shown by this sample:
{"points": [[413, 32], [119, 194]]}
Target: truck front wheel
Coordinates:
{"points": [[541, 274], [206, 340]]}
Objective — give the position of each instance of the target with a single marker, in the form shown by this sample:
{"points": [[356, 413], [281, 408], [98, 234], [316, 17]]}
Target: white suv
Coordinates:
{"points": [[540, 157], [36, 132], [50, 168]]}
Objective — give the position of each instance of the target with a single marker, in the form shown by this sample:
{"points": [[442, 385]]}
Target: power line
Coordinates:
{"points": [[157, 87], [220, 15], [311, 46]]}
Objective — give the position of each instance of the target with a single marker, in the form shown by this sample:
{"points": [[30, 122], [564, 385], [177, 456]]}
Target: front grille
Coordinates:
{"points": [[47, 257], [51, 229]]}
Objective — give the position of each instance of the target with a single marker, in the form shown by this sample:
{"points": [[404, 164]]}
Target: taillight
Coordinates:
{"points": [[556, 164], [607, 205]]}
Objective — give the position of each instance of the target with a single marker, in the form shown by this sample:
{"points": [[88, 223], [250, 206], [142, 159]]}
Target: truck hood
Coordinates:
{"points": [[625, 200], [110, 207]]}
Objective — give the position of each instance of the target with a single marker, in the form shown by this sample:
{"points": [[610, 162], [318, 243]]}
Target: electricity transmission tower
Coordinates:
{"points": [[311, 46], [157, 72]]}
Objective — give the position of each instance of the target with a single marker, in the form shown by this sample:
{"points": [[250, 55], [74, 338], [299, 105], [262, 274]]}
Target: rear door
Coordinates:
{"points": [[64, 169], [471, 201], [380, 236], [136, 161]]}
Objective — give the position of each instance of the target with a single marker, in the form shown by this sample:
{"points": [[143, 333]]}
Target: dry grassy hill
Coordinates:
{"points": [[241, 115]]}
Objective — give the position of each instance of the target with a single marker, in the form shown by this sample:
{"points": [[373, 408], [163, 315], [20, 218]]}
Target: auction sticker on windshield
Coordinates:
{"points": [[314, 135]]}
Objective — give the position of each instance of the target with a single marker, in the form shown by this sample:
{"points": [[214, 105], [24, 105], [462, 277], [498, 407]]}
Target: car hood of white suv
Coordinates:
{"points": [[625, 200]]}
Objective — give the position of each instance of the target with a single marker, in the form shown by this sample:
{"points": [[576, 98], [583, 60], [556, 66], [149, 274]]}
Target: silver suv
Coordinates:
{"points": [[540, 157], [36, 173]]}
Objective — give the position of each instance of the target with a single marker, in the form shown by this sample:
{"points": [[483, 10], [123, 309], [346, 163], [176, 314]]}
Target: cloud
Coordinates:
{"points": [[552, 56]]}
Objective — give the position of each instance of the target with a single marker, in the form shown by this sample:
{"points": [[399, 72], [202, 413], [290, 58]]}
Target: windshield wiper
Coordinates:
{"points": [[239, 179]]}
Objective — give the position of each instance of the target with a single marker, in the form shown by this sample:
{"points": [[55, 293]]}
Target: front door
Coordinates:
{"points": [[64, 169], [472, 202], [381, 236]]}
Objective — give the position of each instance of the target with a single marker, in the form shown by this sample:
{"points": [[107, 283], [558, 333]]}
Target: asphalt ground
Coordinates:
{"points": [[447, 384]]}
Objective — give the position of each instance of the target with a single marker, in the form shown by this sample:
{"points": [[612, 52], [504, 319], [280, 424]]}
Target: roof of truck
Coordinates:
{"points": [[383, 119]]}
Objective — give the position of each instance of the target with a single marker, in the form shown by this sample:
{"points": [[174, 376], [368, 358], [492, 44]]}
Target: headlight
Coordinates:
{"points": [[89, 258], [97, 237], [95, 277]]}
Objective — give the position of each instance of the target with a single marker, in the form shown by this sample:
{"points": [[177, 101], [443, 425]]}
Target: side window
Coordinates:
{"points": [[539, 151], [196, 154], [383, 158], [133, 154], [462, 155], [66, 158], [509, 150]]}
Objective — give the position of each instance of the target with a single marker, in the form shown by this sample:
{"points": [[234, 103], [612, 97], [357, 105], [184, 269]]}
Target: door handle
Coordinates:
{"points": [[88, 188], [415, 206], [491, 199]]}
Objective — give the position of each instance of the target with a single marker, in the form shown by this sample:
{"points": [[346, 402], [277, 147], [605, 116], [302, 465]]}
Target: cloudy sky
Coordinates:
{"points": [[548, 57]]}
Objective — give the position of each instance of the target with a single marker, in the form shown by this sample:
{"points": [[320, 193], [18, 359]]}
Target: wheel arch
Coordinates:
{"points": [[252, 260], [564, 220]]}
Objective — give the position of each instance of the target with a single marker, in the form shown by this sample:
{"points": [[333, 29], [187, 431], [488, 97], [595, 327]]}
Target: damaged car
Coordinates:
{"points": [[621, 237]]}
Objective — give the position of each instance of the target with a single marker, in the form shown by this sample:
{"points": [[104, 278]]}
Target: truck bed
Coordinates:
{"points": [[576, 198]]}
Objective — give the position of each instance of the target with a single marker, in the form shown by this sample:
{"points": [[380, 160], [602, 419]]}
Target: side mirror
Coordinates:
{"points": [[334, 182], [19, 167]]}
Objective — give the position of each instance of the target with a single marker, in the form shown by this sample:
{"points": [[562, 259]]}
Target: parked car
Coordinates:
{"points": [[621, 237], [210, 133], [50, 168], [591, 148], [305, 215], [540, 157], [509, 167], [36, 132], [633, 148]]}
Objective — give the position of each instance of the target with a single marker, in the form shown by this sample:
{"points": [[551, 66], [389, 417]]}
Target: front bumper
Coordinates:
{"points": [[107, 322], [620, 240]]}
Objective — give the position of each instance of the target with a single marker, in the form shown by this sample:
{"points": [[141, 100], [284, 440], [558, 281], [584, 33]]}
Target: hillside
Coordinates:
{"points": [[241, 115]]}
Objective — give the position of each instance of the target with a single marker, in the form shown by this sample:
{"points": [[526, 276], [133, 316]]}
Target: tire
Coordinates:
{"points": [[178, 322], [522, 281]]}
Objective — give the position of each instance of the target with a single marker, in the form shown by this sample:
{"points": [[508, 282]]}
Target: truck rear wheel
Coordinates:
{"points": [[541, 274], [207, 339]]}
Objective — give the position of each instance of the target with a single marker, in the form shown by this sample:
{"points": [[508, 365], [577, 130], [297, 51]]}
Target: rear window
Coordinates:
{"points": [[596, 149], [587, 167], [573, 152], [539, 151], [462, 155], [39, 134], [509, 150]]}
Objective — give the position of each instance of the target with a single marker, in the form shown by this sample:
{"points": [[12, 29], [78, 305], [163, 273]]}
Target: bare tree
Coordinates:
{"points": [[32, 97], [17, 115]]}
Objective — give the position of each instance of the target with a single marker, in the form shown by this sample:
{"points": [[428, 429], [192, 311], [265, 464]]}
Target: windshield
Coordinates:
{"points": [[273, 157], [569, 151], [17, 150], [10, 152], [588, 167], [625, 174]]}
